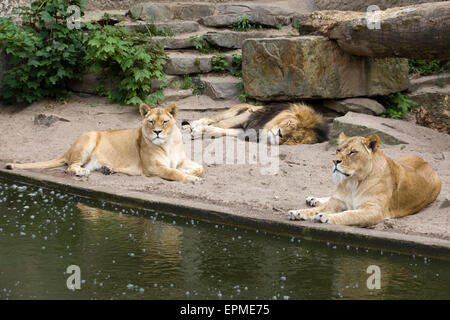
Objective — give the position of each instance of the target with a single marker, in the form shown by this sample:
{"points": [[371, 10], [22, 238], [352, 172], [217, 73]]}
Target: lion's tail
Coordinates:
{"points": [[57, 162]]}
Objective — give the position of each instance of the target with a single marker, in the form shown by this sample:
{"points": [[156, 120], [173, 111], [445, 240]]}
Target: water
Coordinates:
{"points": [[133, 253]]}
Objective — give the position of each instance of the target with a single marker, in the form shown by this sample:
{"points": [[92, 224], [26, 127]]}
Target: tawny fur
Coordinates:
{"points": [[154, 149], [373, 187], [294, 125]]}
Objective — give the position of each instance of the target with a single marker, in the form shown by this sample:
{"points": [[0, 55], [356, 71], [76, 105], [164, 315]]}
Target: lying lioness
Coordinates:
{"points": [[371, 186], [155, 149], [290, 124]]}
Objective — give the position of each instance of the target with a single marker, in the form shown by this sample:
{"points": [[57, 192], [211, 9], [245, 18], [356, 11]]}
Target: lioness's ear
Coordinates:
{"points": [[172, 109], [342, 137], [372, 142], [144, 109]]}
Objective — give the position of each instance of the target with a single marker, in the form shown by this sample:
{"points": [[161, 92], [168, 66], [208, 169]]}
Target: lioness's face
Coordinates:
{"points": [[353, 156], [158, 123]]}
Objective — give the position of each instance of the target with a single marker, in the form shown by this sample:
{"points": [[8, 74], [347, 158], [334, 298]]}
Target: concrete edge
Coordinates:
{"points": [[343, 235]]}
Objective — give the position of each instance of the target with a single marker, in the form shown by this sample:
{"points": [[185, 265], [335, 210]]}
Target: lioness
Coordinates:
{"points": [[371, 186], [154, 149], [292, 124]]}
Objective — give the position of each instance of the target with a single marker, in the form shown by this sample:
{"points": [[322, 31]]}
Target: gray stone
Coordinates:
{"points": [[151, 12], [314, 67], [356, 124], [441, 79], [221, 87], [228, 20], [171, 94], [193, 11], [176, 42], [45, 120], [234, 39], [362, 5], [180, 63], [358, 105], [175, 27]]}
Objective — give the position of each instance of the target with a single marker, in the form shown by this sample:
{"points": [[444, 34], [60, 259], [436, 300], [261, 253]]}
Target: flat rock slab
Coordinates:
{"points": [[221, 87], [190, 62], [227, 20], [390, 131], [175, 27], [312, 67], [234, 39], [358, 105]]}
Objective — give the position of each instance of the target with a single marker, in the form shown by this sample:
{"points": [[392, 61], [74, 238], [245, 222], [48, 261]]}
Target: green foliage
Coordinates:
{"points": [[219, 62], [425, 68], [186, 83], [201, 44], [397, 105], [133, 58], [244, 24], [43, 54], [236, 66], [198, 87]]}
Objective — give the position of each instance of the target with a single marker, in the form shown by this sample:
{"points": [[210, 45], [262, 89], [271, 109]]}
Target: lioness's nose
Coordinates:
{"points": [[336, 162], [157, 132]]}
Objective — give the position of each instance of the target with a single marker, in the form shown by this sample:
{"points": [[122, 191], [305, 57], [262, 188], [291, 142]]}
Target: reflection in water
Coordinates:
{"points": [[135, 253]]}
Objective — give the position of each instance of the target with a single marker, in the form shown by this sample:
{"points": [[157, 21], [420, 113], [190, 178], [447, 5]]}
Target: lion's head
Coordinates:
{"points": [[299, 124], [158, 124], [354, 156]]}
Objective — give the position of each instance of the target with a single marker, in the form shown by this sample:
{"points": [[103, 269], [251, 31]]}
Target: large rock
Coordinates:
{"points": [[356, 124], [221, 87], [152, 12], [193, 11], [227, 20], [415, 32], [358, 105], [234, 39], [180, 63], [314, 67], [362, 5], [175, 27]]}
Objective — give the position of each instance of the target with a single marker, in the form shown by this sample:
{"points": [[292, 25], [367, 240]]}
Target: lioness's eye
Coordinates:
{"points": [[352, 152], [164, 122], [151, 122]]}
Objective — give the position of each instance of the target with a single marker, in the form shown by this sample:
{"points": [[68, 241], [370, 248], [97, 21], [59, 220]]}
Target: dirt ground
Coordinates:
{"points": [[303, 170]]}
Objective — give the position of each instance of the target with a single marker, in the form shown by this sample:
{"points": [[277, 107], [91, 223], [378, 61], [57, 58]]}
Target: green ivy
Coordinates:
{"points": [[43, 54], [244, 24], [425, 68], [219, 62], [201, 44], [134, 58], [397, 105], [236, 65]]}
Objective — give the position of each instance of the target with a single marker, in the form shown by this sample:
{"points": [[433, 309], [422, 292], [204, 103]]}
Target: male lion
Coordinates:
{"points": [[292, 124], [154, 149], [371, 186]]}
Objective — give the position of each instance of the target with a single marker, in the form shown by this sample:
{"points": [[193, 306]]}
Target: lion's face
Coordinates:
{"points": [[354, 156], [158, 123]]}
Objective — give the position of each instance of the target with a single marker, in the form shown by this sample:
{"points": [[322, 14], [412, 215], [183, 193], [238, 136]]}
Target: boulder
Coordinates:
{"points": [[175, 27], [414, 32], [151, 12], [361, 5], [193, 11], [234, 39], [312, 67], [356, 124], [181, 63], [358, 105], [227, 20], [221, 87]]}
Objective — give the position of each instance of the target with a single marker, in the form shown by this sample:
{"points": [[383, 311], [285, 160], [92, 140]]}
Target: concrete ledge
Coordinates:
{"points": [[360, 237]]}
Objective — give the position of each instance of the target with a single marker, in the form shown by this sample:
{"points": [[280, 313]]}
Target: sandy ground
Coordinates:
{"points": [[303, 170]]}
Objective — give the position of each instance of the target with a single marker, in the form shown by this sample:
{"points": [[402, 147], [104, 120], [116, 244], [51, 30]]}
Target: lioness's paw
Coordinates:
{"points": [[194, 179], [321, 217], [80, 172], [312, 201], [296, 215]]}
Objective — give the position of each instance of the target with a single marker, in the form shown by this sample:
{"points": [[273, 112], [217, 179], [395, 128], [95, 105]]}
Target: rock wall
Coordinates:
{"points": [[313, 67], [361, 5]]}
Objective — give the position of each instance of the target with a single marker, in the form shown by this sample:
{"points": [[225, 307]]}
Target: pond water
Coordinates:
{"points": [[136, 253]]}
